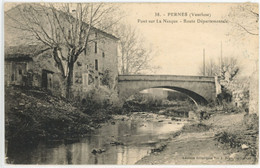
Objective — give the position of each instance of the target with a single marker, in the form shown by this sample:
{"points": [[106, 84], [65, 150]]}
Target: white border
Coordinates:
{"points": [[2, 149]]}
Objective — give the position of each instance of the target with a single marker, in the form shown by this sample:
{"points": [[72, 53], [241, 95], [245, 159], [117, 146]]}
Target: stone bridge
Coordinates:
{"points": [[201, 89]]}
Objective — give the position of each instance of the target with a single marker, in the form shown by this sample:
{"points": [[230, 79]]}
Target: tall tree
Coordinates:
{"points": [[67, 29], [134, 56]]}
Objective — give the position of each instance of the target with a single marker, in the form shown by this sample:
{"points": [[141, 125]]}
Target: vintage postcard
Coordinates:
{"points": [[131, 83]]}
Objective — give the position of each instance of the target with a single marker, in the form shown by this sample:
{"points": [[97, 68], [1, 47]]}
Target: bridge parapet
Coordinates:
{"points": [[165, 78]]}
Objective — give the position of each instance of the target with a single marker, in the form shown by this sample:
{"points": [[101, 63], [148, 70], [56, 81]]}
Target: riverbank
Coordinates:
{"points": [[205, 144], [32, 114]]}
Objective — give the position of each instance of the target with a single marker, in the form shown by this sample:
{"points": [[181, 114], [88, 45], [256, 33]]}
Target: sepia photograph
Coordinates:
{"points": [[116, 83]]}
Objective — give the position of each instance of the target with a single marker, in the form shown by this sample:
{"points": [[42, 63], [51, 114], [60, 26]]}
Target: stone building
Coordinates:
{"points": [[101, 57], [33, 64]]}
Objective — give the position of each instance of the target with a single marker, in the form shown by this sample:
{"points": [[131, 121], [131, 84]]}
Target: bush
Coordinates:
{"points": [[140, 102], [224, 107], [251, 121], [229, 139], [196, 128], [101, 98]]}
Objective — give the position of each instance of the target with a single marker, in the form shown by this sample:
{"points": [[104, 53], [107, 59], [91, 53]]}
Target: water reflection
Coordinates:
{"points": [[138, 137]]}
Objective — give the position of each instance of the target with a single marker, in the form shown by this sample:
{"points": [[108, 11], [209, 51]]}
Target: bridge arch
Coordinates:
{"points": [[201, 89], [198, 99]]}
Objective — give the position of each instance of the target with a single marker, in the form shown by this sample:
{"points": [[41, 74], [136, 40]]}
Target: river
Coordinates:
{"points": [[123, 140]]}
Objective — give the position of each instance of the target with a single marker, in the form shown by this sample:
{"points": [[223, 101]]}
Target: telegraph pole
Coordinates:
{"points": [[220, 56], [204, 67]]}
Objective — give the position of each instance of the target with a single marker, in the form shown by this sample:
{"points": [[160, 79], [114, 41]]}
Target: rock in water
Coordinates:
{"points": [[95, 151], [244, 146]]}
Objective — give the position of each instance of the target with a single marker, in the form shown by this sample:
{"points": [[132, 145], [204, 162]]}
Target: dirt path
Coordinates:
{"points": [[201, 147]]}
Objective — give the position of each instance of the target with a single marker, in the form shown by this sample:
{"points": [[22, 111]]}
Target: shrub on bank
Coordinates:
{"points": [[212, 108], [101, 100], [243, 136], [141, 102], [197, 127]]}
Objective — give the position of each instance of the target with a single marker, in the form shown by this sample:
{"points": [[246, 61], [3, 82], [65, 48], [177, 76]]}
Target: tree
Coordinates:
{"points": [[66, 29], [227, 69], [211, 68], [244, 18], [134, 56]]}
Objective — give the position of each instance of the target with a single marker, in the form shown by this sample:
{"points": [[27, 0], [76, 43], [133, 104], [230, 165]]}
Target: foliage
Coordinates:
{"points": [[196, 128], [213, 108], [230, 139], [233, 88], [175, 95], [239, 90], [101, 100], [32, 114], [225, 96], [140, 102], [227, 68], [251, 121], [106, 79]]}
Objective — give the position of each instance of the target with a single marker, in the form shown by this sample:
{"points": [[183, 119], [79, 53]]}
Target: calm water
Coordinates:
{"points": [[138, 133]]}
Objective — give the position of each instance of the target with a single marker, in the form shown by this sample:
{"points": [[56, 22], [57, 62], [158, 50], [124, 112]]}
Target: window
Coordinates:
{"points": [[95, 47], [103, 54], [96, 64], [85, 79], [96, 81]]}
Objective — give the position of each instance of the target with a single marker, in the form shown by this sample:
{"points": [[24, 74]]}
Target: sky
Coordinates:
{"points": [[181, 45]]}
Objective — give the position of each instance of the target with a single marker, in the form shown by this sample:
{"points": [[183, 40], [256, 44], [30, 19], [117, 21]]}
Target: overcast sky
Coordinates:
{"points": [[181, 44]]}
